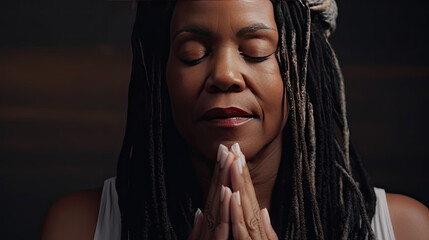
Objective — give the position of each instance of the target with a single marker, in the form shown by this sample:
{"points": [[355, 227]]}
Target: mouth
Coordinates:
{"points": [[226, 117]]}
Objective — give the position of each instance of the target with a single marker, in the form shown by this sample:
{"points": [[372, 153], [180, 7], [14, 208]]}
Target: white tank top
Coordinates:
{"points": [[109, 216]]}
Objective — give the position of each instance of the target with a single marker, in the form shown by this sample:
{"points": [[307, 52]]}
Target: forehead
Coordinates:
{"points": [[221, 14]]}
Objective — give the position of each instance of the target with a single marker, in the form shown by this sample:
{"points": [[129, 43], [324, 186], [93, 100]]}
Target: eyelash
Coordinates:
{"points": [[194, 62], [248, 58], [255, 59]]}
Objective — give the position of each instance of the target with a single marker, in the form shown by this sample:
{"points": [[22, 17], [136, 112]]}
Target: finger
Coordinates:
{"points": [[266, 222], [220, 177], [198, 222], [241, 181], [221, 171], [222, 229], [225, 177], [239, 229], [222, 154]]}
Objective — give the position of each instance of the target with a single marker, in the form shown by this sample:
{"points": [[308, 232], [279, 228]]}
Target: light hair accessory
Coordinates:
{"points": [[328, 10]]}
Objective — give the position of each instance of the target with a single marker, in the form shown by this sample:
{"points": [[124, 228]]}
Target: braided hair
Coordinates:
{"points": [[322, 190]]}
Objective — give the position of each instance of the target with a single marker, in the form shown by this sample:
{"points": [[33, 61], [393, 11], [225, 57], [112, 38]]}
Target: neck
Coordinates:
{"points": [[263, 169]]}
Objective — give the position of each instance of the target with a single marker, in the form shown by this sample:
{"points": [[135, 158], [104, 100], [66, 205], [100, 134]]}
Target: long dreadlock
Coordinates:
{"points": [[322, 190]]}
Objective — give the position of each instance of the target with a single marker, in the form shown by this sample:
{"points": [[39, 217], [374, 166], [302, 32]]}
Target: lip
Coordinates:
{"points": [[226, 117]]}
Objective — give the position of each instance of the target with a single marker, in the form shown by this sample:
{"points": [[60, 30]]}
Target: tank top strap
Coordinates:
{"points": [[381, 223], [109, 215]]}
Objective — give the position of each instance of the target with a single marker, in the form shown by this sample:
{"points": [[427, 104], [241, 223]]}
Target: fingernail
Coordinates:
{"points": [[239, 165], [197, 214], [267, 215], [222, 193], [236, 149], [237, 198], [243, 160], [222, 154]]}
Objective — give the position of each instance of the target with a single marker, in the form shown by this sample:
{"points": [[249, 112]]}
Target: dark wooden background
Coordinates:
{"points": [[65, 67]]}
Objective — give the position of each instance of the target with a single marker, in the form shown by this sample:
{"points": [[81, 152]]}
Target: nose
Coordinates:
{"points": [[225, 74]]}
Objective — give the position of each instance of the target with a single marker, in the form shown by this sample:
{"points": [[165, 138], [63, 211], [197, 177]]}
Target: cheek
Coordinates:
{"points": [[270, 87], [275, 104]]}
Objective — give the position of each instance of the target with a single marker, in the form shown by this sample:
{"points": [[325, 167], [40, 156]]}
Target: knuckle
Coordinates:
{"points": [[207, 208], [256, 210], [210, 221], [222, 222], [218, 229], [242, 222], [252, 224]]}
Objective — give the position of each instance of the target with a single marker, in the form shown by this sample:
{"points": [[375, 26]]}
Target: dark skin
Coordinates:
{"points": [[226, 61], [226, 75]]}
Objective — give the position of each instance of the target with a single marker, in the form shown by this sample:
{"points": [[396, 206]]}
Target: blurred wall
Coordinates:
{"points": [[64, 72], [383, 50]]}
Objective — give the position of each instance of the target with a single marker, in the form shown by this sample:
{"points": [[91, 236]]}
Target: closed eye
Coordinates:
{"points": [[194, 62], [255, 59]]}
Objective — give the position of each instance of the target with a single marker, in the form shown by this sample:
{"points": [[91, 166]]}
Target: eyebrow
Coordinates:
{"points": [[253, 28], [207, 33], [194, 29]]}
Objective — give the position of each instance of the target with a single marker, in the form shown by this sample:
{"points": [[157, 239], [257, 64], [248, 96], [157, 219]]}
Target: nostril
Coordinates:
{"points": [[225, 79], [231, 88], [214, 88], [235, 88]]}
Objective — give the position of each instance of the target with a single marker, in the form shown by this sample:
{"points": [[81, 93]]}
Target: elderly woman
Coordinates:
{"points": [[236, 108]]}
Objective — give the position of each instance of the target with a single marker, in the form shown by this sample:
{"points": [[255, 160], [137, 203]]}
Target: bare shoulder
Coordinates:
{"points": [[73, 216], [410, 218]]}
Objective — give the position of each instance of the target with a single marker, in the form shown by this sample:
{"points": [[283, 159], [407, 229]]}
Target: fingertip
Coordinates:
{"points": [[198, 220], [222, 193], [197, 216], [265, 216], [235, 148], [243, 159], [222, 154], [266, 221], [222, 229], [234, 203], [228, 191], [239, 164], [237, 198], [223, 147]]}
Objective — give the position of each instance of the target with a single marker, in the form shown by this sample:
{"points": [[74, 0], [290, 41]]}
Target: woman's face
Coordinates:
{"points": [[223, 76]]}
